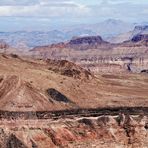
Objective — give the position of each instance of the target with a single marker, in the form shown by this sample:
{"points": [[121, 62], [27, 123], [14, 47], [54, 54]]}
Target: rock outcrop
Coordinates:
{"points": [[141, 39], [122, 130], [88, 42], [69, 69], [138, 30]]}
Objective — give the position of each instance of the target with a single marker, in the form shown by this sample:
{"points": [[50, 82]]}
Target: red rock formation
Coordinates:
{"points": [[116, 131], [70, 69]]}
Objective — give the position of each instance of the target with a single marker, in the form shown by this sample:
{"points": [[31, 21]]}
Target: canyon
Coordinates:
{"points": [[85, 92], [56, 103], [73, 74], [97, 55]]}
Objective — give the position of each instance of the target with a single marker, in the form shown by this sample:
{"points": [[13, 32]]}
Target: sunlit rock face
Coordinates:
{"points": [[117, 131]]}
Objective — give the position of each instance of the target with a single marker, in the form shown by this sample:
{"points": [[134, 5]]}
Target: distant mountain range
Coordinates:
{"points": [[29, 39], [107, 28], [138, 30]]}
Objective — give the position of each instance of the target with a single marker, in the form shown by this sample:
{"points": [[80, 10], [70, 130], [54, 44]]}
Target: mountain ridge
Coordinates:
{"points": [[31, 39]]}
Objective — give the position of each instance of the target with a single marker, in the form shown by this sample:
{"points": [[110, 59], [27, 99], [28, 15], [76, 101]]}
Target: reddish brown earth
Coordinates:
{"points": [[31, 91], [101, 131], [23, 81]]}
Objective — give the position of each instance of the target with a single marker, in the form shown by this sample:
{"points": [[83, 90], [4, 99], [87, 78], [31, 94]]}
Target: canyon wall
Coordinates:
{"points": [[122, 130], [115, 64], [95, 54]]}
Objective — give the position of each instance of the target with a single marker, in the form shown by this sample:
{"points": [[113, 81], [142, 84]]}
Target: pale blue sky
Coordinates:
{"points": [[29, 14]]}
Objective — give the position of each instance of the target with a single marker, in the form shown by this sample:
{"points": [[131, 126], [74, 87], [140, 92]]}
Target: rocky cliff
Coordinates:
{"points": [[99, 56], [88, 42], [138, 30], [121, 130]]}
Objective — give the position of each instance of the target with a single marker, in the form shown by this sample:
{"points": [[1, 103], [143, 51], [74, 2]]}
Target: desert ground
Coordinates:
{"points": [[52, 103]]}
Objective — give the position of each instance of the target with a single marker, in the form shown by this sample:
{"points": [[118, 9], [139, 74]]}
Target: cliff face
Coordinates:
{"points": [[138, 30], [77, 43], [101, 131], [141, 29], [99, 56], [84, 43], [138, 40], [118, 64]]}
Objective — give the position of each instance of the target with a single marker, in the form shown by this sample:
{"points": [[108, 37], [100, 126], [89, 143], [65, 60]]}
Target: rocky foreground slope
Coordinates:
{"points": [[122, 130], [50, 103]]}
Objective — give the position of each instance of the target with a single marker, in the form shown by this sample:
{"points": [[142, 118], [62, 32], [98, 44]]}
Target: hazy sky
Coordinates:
{"points": [[28, 14]]}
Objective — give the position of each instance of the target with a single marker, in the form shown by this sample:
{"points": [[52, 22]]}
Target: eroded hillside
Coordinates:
{"points": [[52, 103], [23, 81]]}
